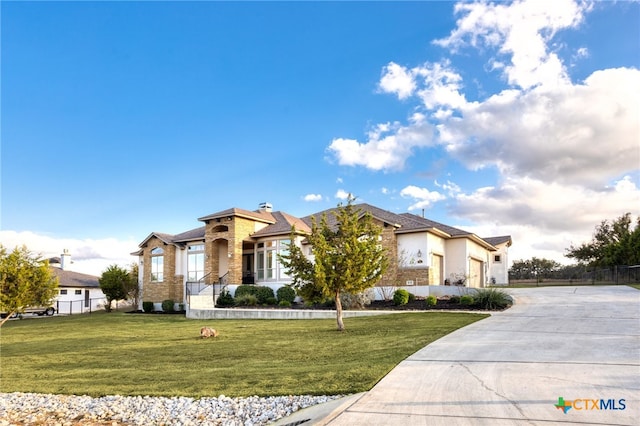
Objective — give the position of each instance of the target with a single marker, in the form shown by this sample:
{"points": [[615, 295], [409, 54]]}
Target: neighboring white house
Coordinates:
{"points": [[77, 293]]}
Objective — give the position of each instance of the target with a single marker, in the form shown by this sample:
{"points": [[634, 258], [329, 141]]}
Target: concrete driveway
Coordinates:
{"points": [[581, 344]]}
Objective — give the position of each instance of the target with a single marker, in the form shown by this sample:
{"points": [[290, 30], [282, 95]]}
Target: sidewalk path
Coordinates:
{"points": [[511, 368]]}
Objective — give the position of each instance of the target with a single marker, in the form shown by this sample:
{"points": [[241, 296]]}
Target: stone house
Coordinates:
{"points": [[237, 246]]}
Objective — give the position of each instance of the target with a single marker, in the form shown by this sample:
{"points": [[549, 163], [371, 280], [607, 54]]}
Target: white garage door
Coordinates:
{"points": [[476, 273], [435, 272]]}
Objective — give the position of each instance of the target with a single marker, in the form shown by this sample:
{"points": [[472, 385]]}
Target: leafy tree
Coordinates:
{"points": [[348, 257], [613, 243], [114, 283], [533, 268], [131, 288], [25, 280]]}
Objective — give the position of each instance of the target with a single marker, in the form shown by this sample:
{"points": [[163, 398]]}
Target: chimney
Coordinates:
{"points": [[65, 260], [266, 207]]}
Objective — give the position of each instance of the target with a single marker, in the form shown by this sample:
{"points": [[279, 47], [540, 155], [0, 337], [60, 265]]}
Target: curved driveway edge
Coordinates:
{"points": [[581, 344]]}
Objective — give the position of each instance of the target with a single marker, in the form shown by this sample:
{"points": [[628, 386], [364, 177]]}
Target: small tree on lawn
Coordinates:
{"points": [[131, 288], [114, 283], [348, 257], [25, 280]]}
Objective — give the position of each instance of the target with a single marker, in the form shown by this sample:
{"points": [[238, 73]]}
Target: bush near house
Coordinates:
{"points": [[432, 301], [491, 299], [246, 300], [167, 305], [147, 306], [246, 289], [225, 300], [400, 297], [467, 299], [264, 294], [287, 294]]}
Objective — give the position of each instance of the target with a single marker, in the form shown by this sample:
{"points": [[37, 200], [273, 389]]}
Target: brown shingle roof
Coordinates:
{"points": [[192, 235], [383, 215], [282, 226], [257, 215], [494, 241], [74, 279], [418, 222]]}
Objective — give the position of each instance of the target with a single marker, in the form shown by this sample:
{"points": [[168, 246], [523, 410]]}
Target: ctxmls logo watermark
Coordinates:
{"points": [[590, 404]]}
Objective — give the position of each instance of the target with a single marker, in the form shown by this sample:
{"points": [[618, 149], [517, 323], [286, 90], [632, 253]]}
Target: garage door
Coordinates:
{"points": [[435, 272], [476, 273]]}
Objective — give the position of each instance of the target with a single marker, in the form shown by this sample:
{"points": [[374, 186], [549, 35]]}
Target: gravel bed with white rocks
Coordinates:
{"points": [[68, 410]]}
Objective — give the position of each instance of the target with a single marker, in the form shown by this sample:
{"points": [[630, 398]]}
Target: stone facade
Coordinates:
{"points": [[171, 285], [419, 276], [389, 243]]}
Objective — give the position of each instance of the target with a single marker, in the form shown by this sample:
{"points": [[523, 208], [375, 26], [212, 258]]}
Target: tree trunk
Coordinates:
{"points": [[339, 312], [9, 314]]}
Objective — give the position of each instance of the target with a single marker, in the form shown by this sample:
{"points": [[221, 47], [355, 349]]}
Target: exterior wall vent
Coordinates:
{"points": [[409, 282]]}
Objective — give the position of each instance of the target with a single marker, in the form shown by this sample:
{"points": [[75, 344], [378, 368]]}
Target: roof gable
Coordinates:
{"points": [[282, 226]]}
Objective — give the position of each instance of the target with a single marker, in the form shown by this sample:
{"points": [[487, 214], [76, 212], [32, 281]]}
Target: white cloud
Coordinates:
{"points": [[451, 188], [521, 31], [549, 207], [89, 256], [384, 190], [313, 197], [554, 135], [398, 80], [423, 197], [341, 194], [384, 151]]}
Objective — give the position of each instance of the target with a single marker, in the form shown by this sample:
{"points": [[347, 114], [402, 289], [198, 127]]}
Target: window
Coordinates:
{"points": [[157, 264], [195, 262], [497, 258], [63, 291], [78, 291], [267, 265]]}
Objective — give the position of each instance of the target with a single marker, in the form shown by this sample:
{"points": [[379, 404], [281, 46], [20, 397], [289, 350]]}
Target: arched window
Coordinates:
{"points": [[157, 264]]}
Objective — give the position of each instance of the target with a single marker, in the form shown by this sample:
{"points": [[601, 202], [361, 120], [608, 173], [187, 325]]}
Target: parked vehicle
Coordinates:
{"points": [[38, 310]]}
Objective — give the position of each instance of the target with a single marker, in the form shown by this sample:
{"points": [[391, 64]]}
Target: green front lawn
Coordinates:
{"points": [[163, 355]]}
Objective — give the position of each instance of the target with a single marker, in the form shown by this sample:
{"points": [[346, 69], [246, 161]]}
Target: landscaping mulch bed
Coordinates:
{"points": [[420, 305]]}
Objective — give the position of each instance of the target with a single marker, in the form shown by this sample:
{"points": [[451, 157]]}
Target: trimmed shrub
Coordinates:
{"points": [[400, 297], [246, 289], [284, 304], [432, 301], [147, 306], [412, 297], [246, 300], [454, 299], [167, 305], [263, 294], [491, 299], [271, 301], [466, 300], [357, 301], [225, 300], [286, 294]]}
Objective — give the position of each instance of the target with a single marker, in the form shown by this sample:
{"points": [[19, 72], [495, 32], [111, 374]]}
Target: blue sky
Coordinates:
{"points": [[123, 118]]}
